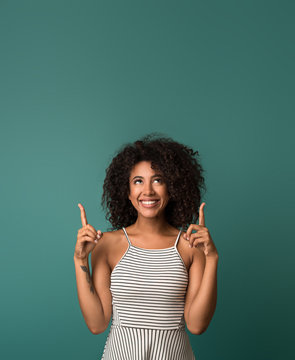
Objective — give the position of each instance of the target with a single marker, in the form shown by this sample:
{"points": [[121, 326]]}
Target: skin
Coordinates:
{"points": [[151, 228]]}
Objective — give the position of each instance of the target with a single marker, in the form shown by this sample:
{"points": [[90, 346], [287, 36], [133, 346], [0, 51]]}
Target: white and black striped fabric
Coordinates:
{"points": [[148, 289]]}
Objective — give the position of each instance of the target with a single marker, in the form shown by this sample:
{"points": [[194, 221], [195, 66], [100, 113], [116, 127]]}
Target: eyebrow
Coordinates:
{"points": [[141, 177]]}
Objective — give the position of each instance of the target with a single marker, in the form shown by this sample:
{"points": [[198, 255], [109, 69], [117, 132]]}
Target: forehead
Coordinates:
{"points": [[143, 168]]}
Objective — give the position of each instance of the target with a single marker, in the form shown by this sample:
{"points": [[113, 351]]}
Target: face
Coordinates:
{"points": [[148, 192]]}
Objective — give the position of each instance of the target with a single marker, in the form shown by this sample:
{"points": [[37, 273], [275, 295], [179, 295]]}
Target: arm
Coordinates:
{"points": [[201, 297], [93, 291]]}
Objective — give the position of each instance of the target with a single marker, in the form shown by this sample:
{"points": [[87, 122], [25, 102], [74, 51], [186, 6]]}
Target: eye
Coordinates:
{"points": [[158, 179]]}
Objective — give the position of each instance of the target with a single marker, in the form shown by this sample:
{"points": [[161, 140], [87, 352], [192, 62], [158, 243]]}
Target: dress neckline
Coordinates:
{"points": [[137, 247]]}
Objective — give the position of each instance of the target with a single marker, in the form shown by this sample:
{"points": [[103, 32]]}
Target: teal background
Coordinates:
{"points": [[81, 78]]}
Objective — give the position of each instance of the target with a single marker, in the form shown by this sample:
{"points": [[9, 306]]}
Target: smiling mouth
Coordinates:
{"points": [[149, 204]]}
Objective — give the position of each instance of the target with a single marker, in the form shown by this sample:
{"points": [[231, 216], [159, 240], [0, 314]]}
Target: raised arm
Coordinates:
{"points": [[93, 294]]}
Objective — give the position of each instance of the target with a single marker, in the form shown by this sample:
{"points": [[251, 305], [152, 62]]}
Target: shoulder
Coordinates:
{"points": [[107, 243], [192, 255], [109, 239], [112, 236]]}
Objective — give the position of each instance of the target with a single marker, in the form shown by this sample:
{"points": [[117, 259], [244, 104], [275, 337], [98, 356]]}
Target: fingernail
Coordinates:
{"points": [[95, 240], [190, 245]]}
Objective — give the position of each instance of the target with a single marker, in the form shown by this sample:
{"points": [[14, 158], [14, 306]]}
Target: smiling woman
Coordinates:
{"points": [[147, 190], [174, 164], [147, 278]]}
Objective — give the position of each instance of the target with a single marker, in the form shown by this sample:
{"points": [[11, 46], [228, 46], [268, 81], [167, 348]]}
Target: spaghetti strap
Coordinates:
{"points": [[126, 236], [177, 238], [175, 244]]}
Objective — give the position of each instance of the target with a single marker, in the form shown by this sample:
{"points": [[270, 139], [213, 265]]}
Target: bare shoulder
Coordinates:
{"points": [[109, 246], [189, 255]]}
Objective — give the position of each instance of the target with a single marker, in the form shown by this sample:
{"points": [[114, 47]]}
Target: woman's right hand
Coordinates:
{"points": [[87, 237]]}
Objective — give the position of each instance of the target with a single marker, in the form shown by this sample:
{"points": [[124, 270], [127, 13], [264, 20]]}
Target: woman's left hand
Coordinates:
{"points": [[202, 238]]}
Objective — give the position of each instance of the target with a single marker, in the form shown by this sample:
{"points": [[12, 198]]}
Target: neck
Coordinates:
{"points": [[151, 226]]}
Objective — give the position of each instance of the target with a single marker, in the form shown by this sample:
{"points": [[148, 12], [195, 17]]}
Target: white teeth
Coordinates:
{"points": [[149, 202]]}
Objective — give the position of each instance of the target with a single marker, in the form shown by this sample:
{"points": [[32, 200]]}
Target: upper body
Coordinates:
{"points": [[112, 246], [152, 188]]}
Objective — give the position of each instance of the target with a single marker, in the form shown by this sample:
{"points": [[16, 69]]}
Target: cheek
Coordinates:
{"points": [[133, 193]]}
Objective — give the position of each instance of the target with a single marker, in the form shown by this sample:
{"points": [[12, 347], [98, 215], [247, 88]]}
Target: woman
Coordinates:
{"points": [[147, 275]]}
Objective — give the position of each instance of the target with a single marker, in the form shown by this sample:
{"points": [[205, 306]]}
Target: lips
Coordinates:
{"points": [[149, 203], [148, 199]]}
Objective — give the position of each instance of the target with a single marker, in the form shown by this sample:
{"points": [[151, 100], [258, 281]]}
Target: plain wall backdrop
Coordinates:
{"points": [[79, 79]]}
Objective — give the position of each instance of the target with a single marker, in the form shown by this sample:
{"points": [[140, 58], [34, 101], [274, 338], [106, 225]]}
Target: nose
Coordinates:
{"points": [[148, 189]]}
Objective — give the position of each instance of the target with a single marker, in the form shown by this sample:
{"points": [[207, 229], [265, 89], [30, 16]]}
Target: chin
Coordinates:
{"points": [[151, 214]]}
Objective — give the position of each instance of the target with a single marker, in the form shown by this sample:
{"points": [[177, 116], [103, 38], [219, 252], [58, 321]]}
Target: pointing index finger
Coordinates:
{"points": [[83, 215], [201, 215]]}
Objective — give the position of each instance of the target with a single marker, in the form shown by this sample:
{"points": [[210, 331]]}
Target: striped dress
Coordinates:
{"points": [[148, 289]]}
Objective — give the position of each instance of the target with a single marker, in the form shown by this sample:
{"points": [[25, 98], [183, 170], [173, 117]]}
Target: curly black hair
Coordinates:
{"points": [[182, 173]]}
